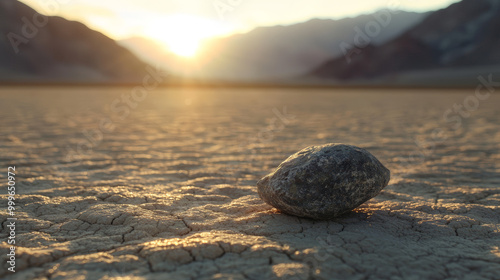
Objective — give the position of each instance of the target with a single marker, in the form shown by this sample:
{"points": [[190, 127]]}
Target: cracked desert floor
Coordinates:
{"points": [[168, 191]]}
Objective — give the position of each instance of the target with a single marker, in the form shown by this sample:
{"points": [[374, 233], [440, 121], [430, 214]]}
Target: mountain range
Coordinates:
{"points": [[451, 46], [276, 52], [448, 45], [39, 48]]}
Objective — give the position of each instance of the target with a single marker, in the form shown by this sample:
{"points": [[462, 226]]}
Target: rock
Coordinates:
{"points": [[323, 182]]}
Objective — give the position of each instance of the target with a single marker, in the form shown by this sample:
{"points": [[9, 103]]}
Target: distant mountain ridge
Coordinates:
{"points": [[268, 53], [451, 46], [464, 35], [277, 52], [39, 48]]}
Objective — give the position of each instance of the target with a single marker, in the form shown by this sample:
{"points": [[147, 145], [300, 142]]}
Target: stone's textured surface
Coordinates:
{"points": [[323, 182]]}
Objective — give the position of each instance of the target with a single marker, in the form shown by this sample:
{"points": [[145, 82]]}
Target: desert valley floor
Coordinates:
{"points": [[162, 186]]}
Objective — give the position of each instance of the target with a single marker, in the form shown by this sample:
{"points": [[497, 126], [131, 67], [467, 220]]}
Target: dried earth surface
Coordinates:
{"points": [[168, 191]]}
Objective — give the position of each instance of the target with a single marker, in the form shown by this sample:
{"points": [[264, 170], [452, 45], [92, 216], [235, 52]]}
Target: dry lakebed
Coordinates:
{"points": [[165, 187]]}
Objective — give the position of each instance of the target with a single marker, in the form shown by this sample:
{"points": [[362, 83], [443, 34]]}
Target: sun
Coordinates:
{"points": [[183, 34], [185, 47]]}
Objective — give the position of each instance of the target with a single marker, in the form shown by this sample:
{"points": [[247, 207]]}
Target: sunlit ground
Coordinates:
{"points": [[165, 187]]}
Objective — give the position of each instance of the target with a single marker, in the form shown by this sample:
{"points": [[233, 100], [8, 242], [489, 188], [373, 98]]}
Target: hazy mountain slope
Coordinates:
{"points": [[466, 34], [156, 54], [276, 52], [55, 49], [283, 51]]}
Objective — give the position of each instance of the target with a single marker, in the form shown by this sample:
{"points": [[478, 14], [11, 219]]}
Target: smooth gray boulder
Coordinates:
{"points": [[324, 182]]}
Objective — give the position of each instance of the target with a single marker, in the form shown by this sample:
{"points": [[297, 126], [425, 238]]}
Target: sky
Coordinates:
{"points": [[187, 22]]}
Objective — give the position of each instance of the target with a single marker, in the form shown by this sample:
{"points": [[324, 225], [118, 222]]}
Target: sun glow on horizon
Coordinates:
{"points": [[183, 34]]}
